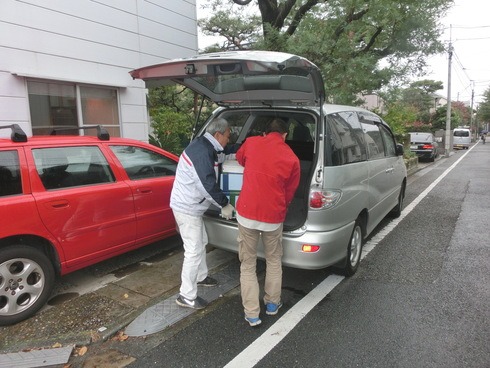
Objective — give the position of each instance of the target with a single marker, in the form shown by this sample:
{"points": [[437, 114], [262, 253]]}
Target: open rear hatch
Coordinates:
{"points": [[247, 78]]}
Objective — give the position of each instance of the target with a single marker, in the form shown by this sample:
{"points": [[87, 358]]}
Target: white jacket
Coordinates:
{"points": [[195, 187]]}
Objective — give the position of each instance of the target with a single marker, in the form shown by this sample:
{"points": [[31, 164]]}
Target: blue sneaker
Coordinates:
{"points": [[253, 321], [271, 308]]}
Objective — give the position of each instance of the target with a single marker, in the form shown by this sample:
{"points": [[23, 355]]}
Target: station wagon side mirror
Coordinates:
{"points": [[399, 149]]}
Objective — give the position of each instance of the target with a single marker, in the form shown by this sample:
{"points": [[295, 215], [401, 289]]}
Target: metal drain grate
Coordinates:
{"points": [[164, 314]]}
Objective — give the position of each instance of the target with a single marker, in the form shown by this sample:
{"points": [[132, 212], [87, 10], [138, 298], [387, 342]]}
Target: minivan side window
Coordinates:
{"points": [[374, 141], [346, 140], [357, 133], [389, 142], [10, 182]]}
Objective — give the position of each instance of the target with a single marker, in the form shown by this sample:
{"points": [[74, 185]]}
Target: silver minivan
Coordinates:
{"points": [[352, 170], [461, 138]]}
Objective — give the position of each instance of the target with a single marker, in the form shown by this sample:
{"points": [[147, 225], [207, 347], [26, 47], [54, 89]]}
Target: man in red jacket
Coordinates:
{"points": [[270, 179]]}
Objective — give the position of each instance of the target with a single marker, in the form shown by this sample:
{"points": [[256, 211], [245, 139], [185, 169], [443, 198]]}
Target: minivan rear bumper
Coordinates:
{"points": [[333, 244]]}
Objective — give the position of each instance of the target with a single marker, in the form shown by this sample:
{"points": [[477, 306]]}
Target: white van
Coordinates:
{"points": [[352, 169], [461, 138]]}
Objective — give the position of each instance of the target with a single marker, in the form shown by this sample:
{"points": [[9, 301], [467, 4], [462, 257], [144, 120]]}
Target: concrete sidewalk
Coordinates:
{"points": [[98, 315]]}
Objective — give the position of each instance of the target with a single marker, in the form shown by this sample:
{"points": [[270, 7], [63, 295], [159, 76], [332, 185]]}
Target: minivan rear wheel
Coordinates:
{"points": [[397, 210], [354, 250]]}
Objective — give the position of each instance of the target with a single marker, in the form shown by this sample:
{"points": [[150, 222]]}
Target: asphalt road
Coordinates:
{"points": [[419, 299]]}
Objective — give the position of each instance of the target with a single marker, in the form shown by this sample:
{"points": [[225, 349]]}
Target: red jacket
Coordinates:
{"points": [[270, 178]]}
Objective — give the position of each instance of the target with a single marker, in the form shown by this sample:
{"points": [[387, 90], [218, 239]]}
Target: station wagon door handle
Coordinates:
{"points": [[390, 170], [61, 203], [144, 190]]}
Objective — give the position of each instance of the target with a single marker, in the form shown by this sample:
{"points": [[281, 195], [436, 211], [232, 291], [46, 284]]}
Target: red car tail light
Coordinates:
{"points": [[427, 146]]}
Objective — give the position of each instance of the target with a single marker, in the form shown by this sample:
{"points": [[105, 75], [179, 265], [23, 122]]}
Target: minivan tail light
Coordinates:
{"points": [[324, 198], [308, 248]]}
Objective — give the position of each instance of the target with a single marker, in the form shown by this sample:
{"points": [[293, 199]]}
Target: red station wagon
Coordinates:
{"points": [[67, 202]]}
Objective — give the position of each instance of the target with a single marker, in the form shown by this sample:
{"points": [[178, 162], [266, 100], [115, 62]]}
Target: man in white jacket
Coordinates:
{"points": [[195, 189]]}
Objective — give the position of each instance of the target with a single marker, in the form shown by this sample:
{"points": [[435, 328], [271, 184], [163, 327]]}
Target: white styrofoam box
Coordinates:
{"points": [[231, 176]]}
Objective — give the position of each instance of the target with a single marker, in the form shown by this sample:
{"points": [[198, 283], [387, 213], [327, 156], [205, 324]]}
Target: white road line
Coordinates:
{"points": [[369, 246], [279, 330]]}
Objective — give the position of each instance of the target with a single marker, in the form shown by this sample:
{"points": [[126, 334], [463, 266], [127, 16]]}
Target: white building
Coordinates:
{"points": [[66, 62]]}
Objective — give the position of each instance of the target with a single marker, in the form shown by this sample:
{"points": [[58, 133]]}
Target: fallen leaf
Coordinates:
{"points": [[57, 345], [82, 351], [120, 336], [95, 336], [126, 296]]}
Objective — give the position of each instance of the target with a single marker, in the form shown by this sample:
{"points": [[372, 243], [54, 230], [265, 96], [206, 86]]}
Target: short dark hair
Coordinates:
{"points": [[276, 125]]}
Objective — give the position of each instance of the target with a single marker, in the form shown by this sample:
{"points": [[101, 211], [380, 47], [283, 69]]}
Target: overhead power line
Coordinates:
{"points": [[472, 39]]}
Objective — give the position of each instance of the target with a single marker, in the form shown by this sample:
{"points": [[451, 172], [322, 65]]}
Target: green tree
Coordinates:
{"points": [[439, 121], [462, 111], [360, 45], [420, 95], [238, 29], [174, 112], [398, 115], [411, 108], [170, 129], [484, 108]]}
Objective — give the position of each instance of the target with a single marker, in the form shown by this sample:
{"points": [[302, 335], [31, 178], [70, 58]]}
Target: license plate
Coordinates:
{"points": [[414, 147]]}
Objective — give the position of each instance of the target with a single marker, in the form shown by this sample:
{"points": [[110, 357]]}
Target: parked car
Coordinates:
{"points": [[352, 170], [424, 145], [67, 202], [461, 138]]}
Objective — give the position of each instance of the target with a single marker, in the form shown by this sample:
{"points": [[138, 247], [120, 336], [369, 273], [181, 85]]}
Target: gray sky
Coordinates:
{"points": [[470, 36]]}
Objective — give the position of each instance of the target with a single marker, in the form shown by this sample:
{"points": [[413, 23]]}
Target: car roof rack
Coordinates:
{"points": [[102, 132], [17, 135]]}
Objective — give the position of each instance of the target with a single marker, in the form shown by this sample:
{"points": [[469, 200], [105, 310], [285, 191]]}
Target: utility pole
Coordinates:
{"points": [[448, 112], [471, 109]]}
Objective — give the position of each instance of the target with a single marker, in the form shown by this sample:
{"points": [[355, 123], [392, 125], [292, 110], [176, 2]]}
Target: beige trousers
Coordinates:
{"points": [[247, 252]]}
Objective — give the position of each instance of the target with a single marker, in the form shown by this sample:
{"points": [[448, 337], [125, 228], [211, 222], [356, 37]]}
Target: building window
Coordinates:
{"points": [[52, 105], [99, 107], [66, 105]]}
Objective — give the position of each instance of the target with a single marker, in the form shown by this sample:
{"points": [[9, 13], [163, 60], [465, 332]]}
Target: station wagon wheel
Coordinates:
{"points": [[354, 250], [26, 281]]}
